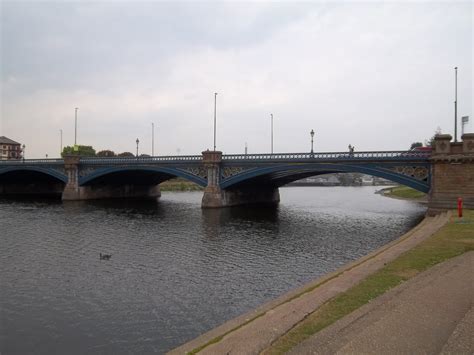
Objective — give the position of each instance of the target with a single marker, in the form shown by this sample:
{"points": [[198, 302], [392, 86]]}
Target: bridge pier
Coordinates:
{"points": [[452, 173], [73, 191], [215, 197]]}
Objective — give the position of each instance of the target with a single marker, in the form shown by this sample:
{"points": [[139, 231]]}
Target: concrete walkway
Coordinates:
{"points": [[253, 332], [429, 314]]}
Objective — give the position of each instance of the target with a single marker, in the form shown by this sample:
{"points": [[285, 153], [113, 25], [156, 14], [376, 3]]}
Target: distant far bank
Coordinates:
{"points": [[179, 184]]}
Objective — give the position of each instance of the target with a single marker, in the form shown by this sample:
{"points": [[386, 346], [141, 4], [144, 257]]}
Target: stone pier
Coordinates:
{"points": [[73, 191], [452, 174], [215, 197]]}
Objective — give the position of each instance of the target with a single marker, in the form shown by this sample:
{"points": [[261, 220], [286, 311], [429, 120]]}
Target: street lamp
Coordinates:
{"points": [[271, 115], [456, 104], [312, 136], [152, 139], [61, 139], [24, 150], [215, 112], [75, 126], [464, 121], [137, 141]]}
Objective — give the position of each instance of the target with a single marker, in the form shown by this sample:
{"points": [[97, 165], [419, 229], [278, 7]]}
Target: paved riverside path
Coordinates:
{"points": [[429, 314], [254, 331]]}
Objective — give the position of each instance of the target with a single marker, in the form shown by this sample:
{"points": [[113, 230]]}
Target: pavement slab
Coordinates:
{"points": [[429, 314]]}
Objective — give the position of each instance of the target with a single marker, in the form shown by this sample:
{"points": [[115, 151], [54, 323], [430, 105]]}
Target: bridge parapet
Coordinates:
{"points": [[468, 143]]}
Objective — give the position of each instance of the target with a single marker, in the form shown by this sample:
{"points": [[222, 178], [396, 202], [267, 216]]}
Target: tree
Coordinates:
{"points": [[145, 156], [82, 150], [126, 154], [106, 153], [416, 145], [430, 142]]}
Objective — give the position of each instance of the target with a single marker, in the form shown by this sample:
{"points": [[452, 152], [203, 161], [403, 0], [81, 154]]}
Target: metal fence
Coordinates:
{"points": [[378, 155], [395, 155]]}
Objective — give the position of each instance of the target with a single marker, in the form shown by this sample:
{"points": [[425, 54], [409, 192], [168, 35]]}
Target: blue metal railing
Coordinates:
{"points": [[32, 161], [378, 155], [395, 155], [134, 160]]}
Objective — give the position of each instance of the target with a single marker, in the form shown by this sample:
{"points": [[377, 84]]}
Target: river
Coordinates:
{"points": [[176, 271]]}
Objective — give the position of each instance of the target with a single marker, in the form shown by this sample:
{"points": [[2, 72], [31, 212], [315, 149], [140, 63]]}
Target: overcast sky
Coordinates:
{"points": [[375, 75]]}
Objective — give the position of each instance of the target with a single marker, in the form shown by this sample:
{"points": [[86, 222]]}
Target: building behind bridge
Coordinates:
{"points": [[9, 149]]}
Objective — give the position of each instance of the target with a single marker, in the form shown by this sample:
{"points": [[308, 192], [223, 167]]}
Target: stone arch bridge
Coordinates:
{"points": [[231, 180]]}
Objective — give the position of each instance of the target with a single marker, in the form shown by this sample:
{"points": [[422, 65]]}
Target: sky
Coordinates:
{"points": [[376, 75]]}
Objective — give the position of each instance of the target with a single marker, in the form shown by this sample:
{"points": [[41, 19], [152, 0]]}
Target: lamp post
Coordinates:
{"points": [[152, 139], [75, 125], [271, 115], [215, 113], [137, 141], [312, 136], [61, 142], [24, 150], [455, 104]]}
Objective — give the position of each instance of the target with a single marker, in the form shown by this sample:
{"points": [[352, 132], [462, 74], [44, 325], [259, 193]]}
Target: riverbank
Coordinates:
{"points": [[281, 324], [404, 193]]}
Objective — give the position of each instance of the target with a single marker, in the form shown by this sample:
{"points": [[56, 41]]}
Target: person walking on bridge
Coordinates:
{"points": [[351, 150]]}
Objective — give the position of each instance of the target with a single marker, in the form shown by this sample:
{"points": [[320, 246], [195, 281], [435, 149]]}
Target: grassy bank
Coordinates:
{"points": [[179, 185], [404, 192], [456, 238]]}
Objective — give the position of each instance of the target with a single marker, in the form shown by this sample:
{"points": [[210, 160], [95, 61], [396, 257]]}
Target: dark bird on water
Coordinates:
{"points": [[105, 256]]}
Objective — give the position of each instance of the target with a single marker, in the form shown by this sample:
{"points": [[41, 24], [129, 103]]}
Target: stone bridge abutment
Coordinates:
{"points": [[452, 173]]}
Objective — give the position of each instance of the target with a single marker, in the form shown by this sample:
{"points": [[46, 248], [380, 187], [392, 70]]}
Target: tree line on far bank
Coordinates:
{"points": [[89, 151]]}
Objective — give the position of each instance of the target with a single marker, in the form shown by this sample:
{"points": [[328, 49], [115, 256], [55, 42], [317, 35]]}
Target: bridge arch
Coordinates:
{"points": [[161, 174], [19, 180], [46, 171], [281, 175]]}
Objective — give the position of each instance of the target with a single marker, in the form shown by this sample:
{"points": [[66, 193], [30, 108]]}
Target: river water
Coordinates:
{"points": [[176, 271]]}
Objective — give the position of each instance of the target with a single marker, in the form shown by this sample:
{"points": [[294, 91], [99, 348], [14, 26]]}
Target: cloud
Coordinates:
{"points": [[378, 76]]}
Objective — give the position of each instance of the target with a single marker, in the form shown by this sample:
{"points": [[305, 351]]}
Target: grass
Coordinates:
{"points": [[179, 185], [405, 192], [454, 239]]}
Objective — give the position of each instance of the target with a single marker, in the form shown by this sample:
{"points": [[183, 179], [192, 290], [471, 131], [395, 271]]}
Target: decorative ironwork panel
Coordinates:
{"points": [[197, 171], [420, 173], [85, 171], [229, 171]]}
